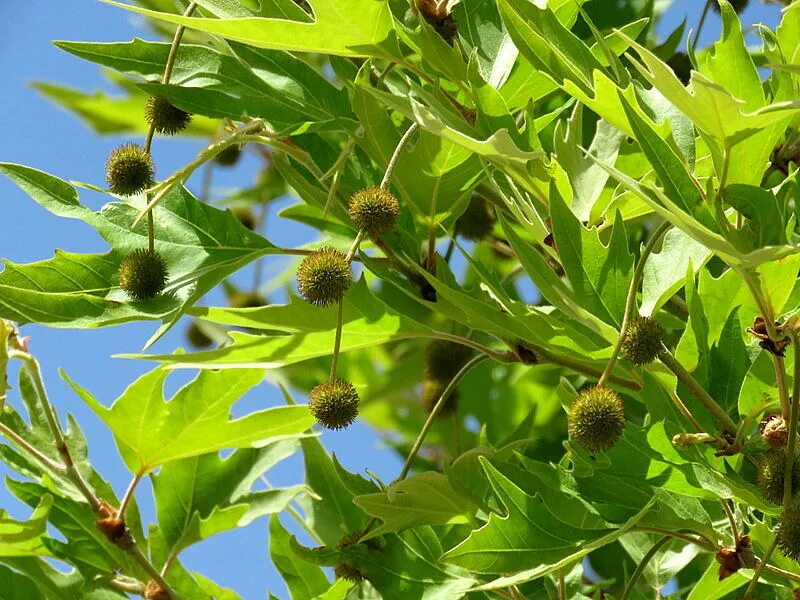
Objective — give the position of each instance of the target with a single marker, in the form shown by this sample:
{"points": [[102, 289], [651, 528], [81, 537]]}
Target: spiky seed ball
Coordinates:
{"points": [[245, 216], [443, 359], [334, 404], [197, 336], [129, 170], [324, 276], [738, 5], [774, 431], [143, 274], [374, 210], [770, 476], [477, 221], [642, 340], [596, 418], [432, 390], [164, 117], [246, 300], [229, 156], [788, 533]]}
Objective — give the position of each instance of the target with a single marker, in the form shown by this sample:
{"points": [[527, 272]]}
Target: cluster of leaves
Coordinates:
{"points": [[539, 142]]}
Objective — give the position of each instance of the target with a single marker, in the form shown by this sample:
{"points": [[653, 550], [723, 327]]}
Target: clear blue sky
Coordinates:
{"points": [[35, 133]]}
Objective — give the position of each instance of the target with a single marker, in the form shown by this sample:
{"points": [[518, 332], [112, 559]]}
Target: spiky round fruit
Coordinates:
{"points": [[770, 475], [245, 216], [197, 336], [129, 170], [324, 276], [788, 533], [246, 300], [229, 156], [738, 5], [432, 390], [164, 117], [443, 360], [348, 572], [334, 404], [477, 221], [143, 274], [596, 418], [642, 340], [374, 210], [774, 431]]}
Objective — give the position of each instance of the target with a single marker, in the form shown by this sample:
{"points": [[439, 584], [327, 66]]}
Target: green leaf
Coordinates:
{"points": [[86, 546], [600, 275], [24, 538], [201, 496], [764, 213], [359, 30], [333, 515], [150, 431], [16, 586], [423, 499], [304, 580], [200, 244], [665, 271], [729, 362]]}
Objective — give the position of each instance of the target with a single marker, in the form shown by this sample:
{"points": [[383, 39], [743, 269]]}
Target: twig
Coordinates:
{"points": [[396, 156], [581, 367], [762, 564], [697, 390], [794, 413], [126, 499], [145, 563], [731, 520]]}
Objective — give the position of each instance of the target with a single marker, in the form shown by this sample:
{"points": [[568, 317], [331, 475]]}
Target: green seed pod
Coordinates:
{"points": [[738, 5], [597, 418], [348, 572], [129, 170], [432, 390], [245, 216], [770, 476], [374, 210], [334, 404], [324, 276], [229, 156], [642, 340], [788, 534], [164, 117], [246, 300], [477, 221], [197, 337], [443, 360], [143, 274]]}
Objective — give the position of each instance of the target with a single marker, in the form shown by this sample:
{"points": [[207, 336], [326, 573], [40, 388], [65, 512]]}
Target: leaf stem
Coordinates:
{"points": [[30, 449], [396, 155], [640, 568], [697, 390], [630, 301], [581, 367], [126, 499], [435, 412], [562, 586], [337, 340], [732, 520]]}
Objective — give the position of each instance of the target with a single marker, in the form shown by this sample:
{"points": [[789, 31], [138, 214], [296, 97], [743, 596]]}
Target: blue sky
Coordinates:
{"points": [[36, 133]]}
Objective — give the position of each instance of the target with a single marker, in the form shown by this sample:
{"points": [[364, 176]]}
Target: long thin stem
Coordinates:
{"points": [[435, 412], [697, 540], [304, 252], [337, 340], [701, 23], [148, 140], [630, 301], [783, 387], [697, 390], [562, 586], [732, 520], [640, 568], [126, 499], [387, 177], [760, 569], [30, 449], [581, 367]]}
